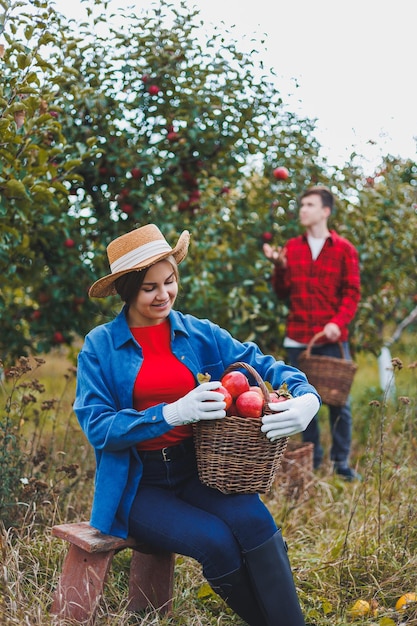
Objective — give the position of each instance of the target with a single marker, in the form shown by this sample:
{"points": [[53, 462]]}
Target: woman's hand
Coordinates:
{"points": [[290, 416], [202, 403]]}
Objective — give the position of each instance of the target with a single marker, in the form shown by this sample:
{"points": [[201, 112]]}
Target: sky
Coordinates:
{"points": [[350, 65]]}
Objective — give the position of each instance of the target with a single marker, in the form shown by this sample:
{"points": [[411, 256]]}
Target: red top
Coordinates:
{"points": [[321, 291], [162, 378]]}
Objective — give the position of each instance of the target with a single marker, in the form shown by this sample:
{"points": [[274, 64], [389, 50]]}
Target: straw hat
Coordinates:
{"points": [[135, 251]]}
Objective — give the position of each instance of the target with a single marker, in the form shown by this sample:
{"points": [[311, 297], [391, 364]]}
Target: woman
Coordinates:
{"points": [[137, 396]]}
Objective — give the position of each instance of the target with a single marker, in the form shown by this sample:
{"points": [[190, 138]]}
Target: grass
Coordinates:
{"points": [[347, 541]]}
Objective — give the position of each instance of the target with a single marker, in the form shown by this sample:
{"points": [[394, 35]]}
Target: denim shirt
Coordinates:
{"points": [[108, 365]]}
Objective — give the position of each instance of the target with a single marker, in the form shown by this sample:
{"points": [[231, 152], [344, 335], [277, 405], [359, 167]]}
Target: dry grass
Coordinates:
{"points": [[346, 541]]}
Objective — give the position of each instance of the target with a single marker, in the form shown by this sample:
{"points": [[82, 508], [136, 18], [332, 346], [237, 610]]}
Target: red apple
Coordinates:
{"points": [[69, 243], [136, 173], [281, 173], [183, 205], [235, 383], [249, 404], [257, 389], [172, 136], [232, 410], [153, 90], [58, 337], [127, 208], [36, 314], [267, 237], [227, 397]]}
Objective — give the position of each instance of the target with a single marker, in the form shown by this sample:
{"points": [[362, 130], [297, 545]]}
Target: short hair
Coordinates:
{"points": [[128, 285], [325, 194]]}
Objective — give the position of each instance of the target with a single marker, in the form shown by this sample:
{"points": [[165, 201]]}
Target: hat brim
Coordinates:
{"points": [[104, 287]]}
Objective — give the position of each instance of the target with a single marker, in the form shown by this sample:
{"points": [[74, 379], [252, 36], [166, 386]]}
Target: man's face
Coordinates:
{"points": [[312, 211]]}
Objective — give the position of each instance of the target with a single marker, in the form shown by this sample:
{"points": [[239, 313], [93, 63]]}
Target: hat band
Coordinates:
{"points": [[135, 257]]}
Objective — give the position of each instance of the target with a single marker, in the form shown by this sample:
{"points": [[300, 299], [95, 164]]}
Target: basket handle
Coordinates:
{"points": [[318, 336], [241, 365]]}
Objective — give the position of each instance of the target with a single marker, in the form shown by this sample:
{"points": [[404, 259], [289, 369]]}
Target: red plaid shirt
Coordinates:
{"points": [[321, 291]]}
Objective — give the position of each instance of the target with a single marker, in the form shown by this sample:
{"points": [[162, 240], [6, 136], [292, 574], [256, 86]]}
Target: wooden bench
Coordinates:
{"points": [[85, 569]]}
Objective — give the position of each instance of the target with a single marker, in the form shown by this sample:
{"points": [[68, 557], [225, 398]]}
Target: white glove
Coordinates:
{"points": [[202, 403], [291, 417]]}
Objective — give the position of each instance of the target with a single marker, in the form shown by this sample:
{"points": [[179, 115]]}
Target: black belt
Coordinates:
{"points": [[170, 453]]}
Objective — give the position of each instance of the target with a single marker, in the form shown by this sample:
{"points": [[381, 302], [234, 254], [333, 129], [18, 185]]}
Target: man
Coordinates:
{"points": [[318, 272]]}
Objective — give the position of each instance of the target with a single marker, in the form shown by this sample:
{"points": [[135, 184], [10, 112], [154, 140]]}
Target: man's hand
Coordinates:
{"points": [[332, 332], [277, 255]]}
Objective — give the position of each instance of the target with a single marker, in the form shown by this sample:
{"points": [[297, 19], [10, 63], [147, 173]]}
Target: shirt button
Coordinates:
{"points": [[153, 418], [182, 358]]}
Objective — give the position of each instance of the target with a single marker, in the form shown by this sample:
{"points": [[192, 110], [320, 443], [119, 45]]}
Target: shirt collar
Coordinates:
{"points": [[121, 331], [332, 236]]}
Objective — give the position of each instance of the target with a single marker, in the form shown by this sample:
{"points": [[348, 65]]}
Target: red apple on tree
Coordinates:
{"points": [[153, 90], [183, 205], [69, 243], [236, 383], [172, 136], [249, 404], [136, 173], [58, 337], [281, 173]]}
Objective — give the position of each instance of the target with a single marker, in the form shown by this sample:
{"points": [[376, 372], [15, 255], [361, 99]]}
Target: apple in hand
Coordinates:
{"points": [[236, 383], [227, 397], [249, 404]]}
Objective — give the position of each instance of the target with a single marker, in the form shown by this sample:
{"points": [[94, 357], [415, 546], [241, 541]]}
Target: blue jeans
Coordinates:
{"points": [[174, 511], [340, 417]]}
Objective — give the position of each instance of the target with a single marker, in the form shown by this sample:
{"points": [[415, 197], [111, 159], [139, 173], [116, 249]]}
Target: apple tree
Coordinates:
{"points": [[128, 118], [43, 281], [380, 218], [106, 127]]}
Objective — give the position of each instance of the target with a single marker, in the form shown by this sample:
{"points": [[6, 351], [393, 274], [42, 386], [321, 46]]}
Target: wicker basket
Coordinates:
{"points": [[233, 455], [331, 376], [296, 473]]}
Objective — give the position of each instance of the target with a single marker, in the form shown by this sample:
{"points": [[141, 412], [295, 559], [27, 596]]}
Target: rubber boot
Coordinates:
{"points": [[273, 583], [236, 590]]}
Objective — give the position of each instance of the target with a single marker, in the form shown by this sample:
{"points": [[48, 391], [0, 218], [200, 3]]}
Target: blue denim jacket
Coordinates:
{"points": [[107, 368]]}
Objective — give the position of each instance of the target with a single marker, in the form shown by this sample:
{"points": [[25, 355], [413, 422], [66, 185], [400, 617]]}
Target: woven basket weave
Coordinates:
{"points": [[296, 472], [331, 376], [233, 455]]}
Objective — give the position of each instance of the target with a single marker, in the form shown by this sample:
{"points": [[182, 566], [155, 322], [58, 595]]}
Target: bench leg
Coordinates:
{"points": [[81, 583], [151, 581]]}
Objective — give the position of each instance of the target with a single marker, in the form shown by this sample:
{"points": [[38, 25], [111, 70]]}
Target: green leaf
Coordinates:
{"points": [[15, 189]]}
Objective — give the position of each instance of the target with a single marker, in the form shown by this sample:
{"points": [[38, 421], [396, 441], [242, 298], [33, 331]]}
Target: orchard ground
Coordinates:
{"points": [[347, 541]]}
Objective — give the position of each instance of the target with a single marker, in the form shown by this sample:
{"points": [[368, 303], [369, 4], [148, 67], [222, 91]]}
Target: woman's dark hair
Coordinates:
{"points": [[128, 285]]}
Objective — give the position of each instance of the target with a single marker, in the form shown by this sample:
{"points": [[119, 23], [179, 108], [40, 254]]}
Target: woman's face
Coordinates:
{"points": [[155, 297]]}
